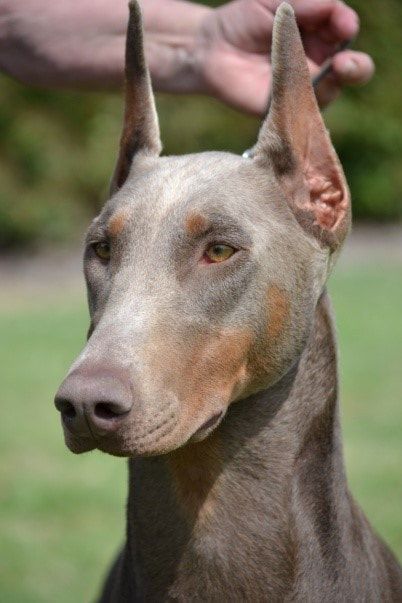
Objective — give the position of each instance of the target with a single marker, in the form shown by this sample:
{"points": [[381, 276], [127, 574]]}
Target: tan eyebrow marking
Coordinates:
{"points": [[196, 224], [117, 222]]}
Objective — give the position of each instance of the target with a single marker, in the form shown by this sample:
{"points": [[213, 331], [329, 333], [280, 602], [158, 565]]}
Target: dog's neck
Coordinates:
{"points": [[230, 514]]}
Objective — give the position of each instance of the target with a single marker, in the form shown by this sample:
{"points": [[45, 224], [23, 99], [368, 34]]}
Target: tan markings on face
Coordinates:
{"points": [[204, 372], [195, 224], [265, 358], [215, 368], [117, 222], [195, 469], [278, 311]]}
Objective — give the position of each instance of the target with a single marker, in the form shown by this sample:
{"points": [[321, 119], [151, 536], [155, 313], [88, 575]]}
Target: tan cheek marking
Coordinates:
{"points": [[265, 356], [211, 366], [278, 311], [195, 224], [117, 222], [215, 367]]}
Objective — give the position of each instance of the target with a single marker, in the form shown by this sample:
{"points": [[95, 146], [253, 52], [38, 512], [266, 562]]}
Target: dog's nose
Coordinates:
{"points": [[95, 400]]}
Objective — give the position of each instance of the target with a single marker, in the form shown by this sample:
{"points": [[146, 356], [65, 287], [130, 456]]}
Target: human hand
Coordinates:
{"points": [[233, 43]]}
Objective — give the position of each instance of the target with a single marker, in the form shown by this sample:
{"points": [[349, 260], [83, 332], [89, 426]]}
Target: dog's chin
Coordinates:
{"points": [[79, 445]]}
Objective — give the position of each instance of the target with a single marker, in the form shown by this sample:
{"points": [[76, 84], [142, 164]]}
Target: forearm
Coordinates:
{"points": [[81, 44], [171, 30]]}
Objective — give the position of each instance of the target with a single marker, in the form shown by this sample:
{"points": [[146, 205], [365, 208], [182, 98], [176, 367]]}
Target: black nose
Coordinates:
{"points": [[94, 399]]}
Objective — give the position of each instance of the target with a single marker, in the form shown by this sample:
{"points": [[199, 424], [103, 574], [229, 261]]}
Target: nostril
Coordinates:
{"points": [[103, 411], [66, 408], [109, 410]]}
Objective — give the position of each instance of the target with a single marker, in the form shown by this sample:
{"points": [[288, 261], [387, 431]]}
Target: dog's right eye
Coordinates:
{"points": [[219, 253], [102, 250]]}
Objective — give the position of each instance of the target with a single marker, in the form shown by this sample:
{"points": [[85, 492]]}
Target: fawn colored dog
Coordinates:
{"points": [[211, 359]]}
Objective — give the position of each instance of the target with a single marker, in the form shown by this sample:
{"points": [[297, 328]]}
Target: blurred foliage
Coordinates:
{"points": [[57, 148]]}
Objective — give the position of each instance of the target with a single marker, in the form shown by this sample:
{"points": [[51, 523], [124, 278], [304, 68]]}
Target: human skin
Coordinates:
{"points": [[190, 48]]}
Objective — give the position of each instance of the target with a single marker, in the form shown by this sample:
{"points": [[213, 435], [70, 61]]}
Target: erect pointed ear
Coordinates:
{"points": [[295, 141], [140, 128]]}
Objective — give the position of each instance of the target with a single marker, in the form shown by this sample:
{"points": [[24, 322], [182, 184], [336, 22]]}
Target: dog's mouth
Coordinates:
{"points": [[79, 444], [160, 439], [207, 428]]}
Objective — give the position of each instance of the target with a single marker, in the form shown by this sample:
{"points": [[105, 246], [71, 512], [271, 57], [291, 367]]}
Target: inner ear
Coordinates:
{"points": [[328, 197]]}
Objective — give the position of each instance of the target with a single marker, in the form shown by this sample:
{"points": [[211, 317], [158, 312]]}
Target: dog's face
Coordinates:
{"points": [[203, 271]]}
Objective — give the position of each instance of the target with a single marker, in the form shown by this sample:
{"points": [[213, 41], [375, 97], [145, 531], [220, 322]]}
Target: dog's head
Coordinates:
{"points": [[203, 270]]}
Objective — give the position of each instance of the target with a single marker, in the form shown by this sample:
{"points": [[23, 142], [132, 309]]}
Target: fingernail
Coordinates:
{"points": [[349, 68]]}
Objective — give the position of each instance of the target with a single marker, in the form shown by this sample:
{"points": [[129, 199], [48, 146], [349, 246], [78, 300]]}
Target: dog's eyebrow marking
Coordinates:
{"points": [[196, 224], [117, 222]]}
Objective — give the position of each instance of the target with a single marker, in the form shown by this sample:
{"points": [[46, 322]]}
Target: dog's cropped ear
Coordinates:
{"points": [[140, 128], [295, 141]]}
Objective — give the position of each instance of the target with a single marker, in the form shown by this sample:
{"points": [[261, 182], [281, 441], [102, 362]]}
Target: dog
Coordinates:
{"points": [[211, 359]]}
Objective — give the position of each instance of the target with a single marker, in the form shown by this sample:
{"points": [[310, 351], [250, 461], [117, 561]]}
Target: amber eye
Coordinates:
{"points": [[219, 253], [102, 250]]}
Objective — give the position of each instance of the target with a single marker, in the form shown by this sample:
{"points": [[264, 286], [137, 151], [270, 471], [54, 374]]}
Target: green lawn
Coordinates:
{"points": [[62, 515]]}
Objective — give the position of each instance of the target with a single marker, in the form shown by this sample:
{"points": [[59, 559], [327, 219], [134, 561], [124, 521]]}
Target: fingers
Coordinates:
{"points": [[236, 70], [351, 67], [324, 24], [332, 20], [348, 68], [344, 22]]}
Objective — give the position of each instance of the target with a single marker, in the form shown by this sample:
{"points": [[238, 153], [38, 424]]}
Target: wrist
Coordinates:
{"points": [[173, 41]]}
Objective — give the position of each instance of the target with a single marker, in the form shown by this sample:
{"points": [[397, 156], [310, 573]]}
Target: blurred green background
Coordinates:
{"points": [[57, 149], [61, 516]]}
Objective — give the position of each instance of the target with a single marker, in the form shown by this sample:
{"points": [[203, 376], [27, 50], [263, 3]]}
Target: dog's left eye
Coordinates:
{"points": [[219, 253], [102, 250]]}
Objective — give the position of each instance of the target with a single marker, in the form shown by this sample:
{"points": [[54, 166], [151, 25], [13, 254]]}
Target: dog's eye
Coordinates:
{"points": [[102, 250], [219, 253]]}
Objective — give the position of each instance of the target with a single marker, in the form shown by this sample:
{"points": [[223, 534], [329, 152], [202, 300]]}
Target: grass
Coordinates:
{"points": [[62, 515]]}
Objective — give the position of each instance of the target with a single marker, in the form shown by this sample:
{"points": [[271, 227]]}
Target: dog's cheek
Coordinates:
{"points": [[205, 371], [269, 356]]}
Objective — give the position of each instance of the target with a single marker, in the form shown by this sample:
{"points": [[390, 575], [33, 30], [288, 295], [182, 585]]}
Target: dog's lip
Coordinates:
{"points": [[208, 426], [210, 422], [122, 445], [80, 444], [113, 443]]}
